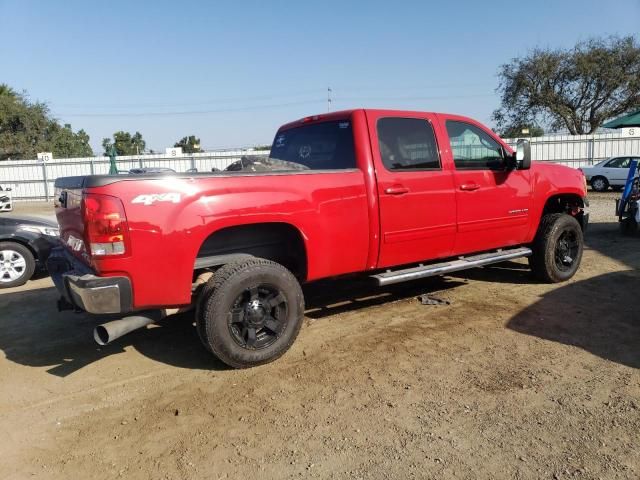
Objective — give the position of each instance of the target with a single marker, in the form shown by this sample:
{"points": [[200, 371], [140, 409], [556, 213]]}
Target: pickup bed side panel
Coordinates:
{"points": [[329, 209]]}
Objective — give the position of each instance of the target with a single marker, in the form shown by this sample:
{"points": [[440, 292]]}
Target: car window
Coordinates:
{"points": [[620, 162], [407, 144], [316, 146], [472, 148]]}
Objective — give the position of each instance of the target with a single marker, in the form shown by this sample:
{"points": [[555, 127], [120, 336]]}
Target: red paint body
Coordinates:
{"points": [[350, 221]]}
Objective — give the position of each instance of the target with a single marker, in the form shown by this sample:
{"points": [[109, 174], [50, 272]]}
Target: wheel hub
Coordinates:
{"points": [[254, 313], [12, 265], [257, 317]]}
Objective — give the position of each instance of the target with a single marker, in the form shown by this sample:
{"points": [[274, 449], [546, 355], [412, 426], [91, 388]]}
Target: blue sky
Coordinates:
{"points": [[231, 72]]}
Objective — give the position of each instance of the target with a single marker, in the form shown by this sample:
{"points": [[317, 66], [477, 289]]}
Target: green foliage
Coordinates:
{"points": [[189, 144], [66, 144], [515, 131], [576, 89], [26, 128], [125, 143], [262, 147]]}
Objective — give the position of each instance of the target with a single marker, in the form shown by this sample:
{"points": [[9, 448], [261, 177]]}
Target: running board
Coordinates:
{"points": [[423, 271]]}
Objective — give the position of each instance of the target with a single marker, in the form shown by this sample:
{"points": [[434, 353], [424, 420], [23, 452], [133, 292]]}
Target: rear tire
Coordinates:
{"points": [[250, 312], [16, 264], [557, 248], [599, 184]]}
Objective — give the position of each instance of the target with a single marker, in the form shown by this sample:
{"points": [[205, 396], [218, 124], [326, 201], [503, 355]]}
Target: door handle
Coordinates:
{"points": [[396, 190], [469, 187]]}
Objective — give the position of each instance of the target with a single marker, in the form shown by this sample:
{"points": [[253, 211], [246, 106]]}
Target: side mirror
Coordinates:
{"points": [[523, 155]]}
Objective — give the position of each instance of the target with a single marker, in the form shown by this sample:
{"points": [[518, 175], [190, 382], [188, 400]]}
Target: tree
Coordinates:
{"points": [[125, 143], [27, 128], [189, 144], [65, 143], [576, 89]]}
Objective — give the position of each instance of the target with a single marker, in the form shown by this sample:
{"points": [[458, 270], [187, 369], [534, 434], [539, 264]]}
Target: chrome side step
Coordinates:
{"points": [[423, 271]]}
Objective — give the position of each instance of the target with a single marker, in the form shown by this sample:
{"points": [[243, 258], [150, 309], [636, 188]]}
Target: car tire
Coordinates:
{"points": [[599, 184], [16, 264], [557, 248], [250, 312]]}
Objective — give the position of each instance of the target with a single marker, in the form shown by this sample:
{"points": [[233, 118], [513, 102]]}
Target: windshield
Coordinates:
{"points": [[317, 146]]}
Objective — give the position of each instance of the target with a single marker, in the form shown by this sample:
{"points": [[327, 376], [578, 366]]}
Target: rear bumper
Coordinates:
{"points": [[79, 286]]}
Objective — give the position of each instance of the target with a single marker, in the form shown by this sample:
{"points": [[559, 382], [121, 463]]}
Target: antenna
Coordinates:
{"points": [[329, 99]]}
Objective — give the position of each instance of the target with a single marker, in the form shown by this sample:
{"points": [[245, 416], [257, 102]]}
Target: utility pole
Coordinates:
{"points": [[328, 99]]}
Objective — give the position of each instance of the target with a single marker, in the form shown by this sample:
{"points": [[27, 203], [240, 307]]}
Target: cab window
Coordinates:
{"points": [[472, 148], [407, 144]]}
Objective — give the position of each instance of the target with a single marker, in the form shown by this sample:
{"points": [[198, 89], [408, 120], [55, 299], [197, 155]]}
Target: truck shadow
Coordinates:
{"points": [[63, 341], [599, 315]]}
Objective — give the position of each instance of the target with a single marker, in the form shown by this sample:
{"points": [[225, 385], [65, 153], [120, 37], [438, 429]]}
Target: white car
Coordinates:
{"points": [[611, 172]]}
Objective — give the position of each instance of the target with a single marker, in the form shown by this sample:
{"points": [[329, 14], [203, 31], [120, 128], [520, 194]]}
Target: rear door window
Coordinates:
{"points": [[316, 146], [407, 144], [620, 162]]}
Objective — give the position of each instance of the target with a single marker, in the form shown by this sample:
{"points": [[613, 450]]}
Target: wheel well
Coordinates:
{"points": [[599, 176], [566, 203], [279, 242], [24, 244]]}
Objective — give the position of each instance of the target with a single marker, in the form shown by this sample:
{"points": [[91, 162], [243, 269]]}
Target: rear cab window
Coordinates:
{"points": [[316, 146]]}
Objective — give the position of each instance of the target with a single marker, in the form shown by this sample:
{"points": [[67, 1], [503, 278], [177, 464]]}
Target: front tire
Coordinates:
{"points": [[250, 312], [16, 264], [599, 184], [557, 248]]}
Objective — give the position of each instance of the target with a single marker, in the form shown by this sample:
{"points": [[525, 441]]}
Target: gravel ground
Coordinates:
{"points": [[513, 379]]}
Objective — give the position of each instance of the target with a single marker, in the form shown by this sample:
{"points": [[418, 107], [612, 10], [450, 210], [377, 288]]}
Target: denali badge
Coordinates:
{"points": [[150, 199]]}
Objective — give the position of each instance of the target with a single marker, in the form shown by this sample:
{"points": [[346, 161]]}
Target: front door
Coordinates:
{"points": [[493, 203], [416, 193]]}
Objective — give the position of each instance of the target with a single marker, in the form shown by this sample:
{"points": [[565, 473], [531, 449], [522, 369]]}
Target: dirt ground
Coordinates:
{"points": [[514, 379]]}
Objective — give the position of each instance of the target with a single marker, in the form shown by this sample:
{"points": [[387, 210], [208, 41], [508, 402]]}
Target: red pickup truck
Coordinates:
{"points": [[395, 195]]}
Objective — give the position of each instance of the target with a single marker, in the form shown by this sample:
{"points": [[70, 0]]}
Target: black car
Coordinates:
{"points": [[25, 243]]}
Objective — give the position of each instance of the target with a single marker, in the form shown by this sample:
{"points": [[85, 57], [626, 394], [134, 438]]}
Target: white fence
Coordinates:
{"points": [[33, 180], [581, 150]]}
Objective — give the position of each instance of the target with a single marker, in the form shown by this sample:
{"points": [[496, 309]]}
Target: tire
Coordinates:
{"points": [[16, 264], [617, 188], [250, 312], [599, 184], [557, 248]]}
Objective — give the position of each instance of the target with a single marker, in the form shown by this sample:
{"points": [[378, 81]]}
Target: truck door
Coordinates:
{"points": [[493, 203], [416, 194]]}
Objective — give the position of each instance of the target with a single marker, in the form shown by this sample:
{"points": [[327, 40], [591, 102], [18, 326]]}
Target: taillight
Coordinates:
{"points": [[105, 225]]}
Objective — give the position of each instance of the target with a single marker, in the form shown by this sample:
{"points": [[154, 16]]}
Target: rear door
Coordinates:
{"points": [[617, 170], [493, 203], [416, 195]]}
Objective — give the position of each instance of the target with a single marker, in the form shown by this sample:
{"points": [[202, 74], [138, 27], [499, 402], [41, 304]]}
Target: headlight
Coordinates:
{"points": [[50, 231]]}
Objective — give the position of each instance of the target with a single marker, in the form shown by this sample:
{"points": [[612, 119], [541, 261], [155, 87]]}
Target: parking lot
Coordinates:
{"points": [[513, 379]]}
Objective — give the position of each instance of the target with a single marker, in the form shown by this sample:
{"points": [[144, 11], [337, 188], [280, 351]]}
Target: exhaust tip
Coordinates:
{"points": [[101, 335]]}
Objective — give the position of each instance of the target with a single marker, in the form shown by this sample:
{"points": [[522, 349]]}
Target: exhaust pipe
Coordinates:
{"points": [[108, 332]]}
